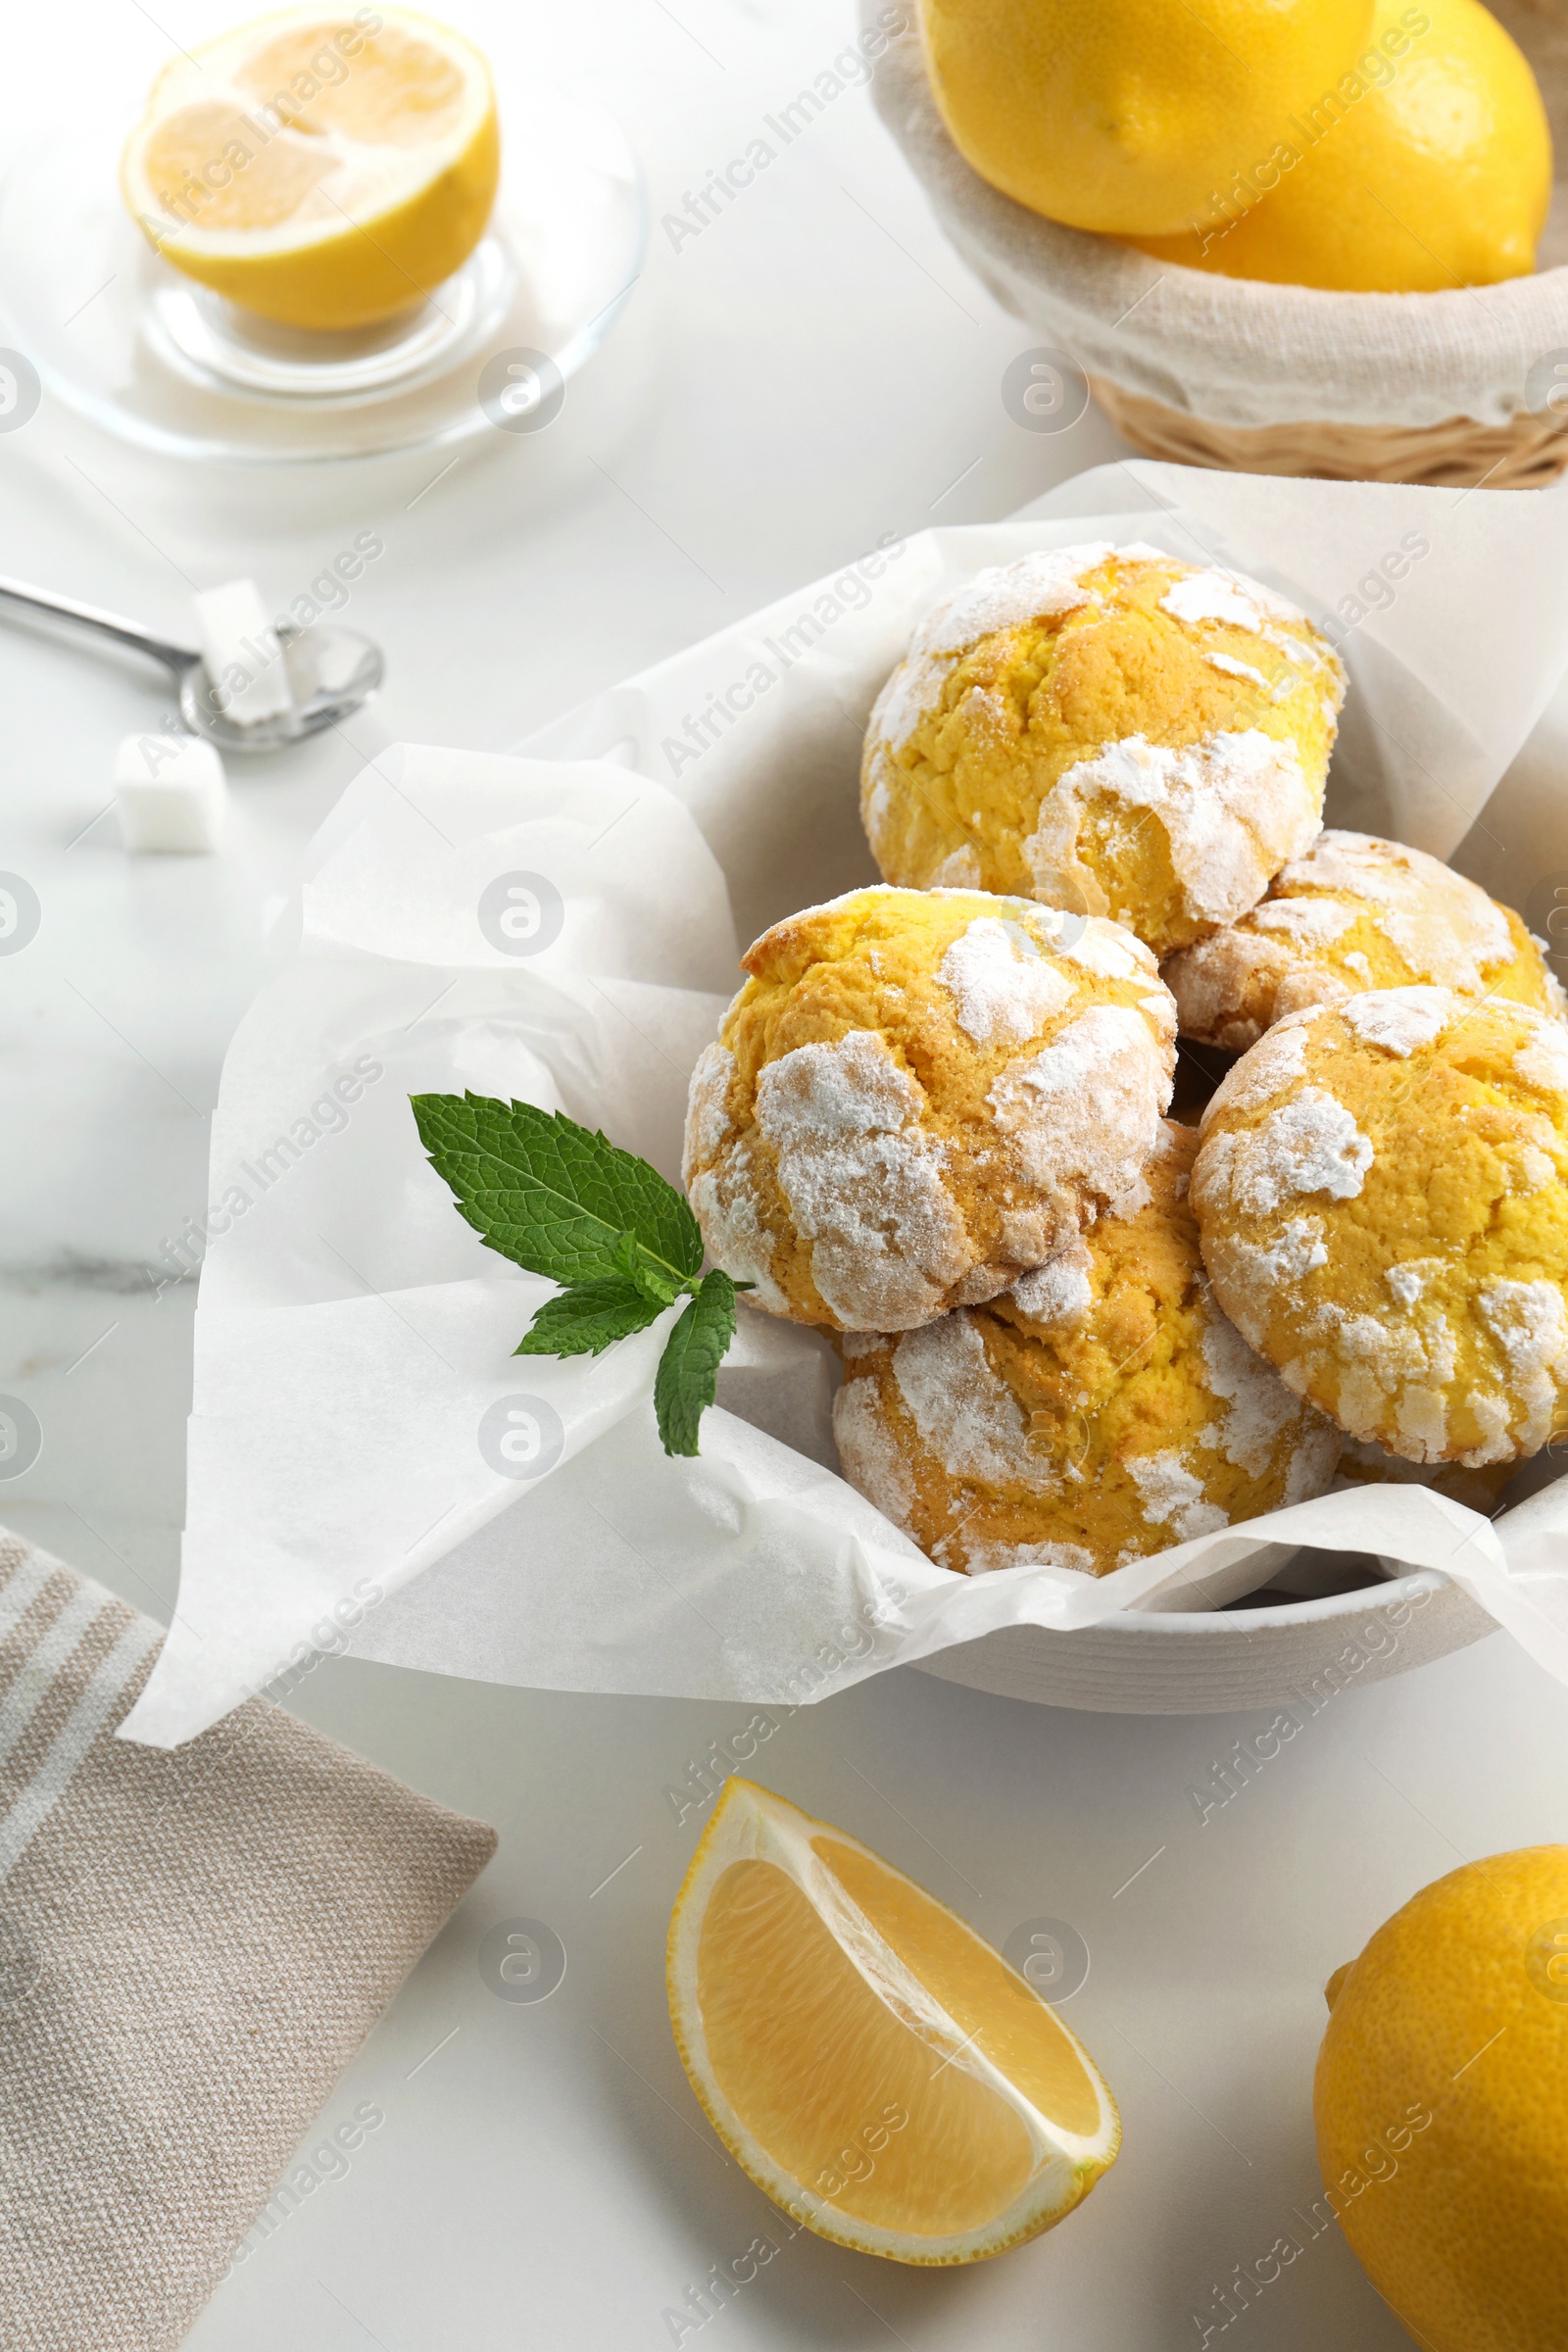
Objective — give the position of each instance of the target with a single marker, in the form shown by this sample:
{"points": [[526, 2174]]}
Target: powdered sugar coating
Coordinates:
{"points": [[1084, 1112], [1275, 1062], [863, 1180], [1234, 669], [1304, 922], [1530, 1324], [959, 870], [1043, 585], [1408, 1281], [726, 1202], [708, 1119], [1391, 1375], [1107, 1404], [1260, 1268], [1219, 979], [823, 1095], [1111, 951], [1038, 586], [1425, 924], [999, 734], [869, 1453], [1231, 806], [1172, 1496], [1261, 1407], [1211, 596], [1219, 595], [1399, 1019], [1430, 1315], [1060, 1291], [1001, 983], [1310, 1144], [966, 1416], [822, 1169], [1542, 1062], [1444, 926], [913, 690], [985, 1558]]}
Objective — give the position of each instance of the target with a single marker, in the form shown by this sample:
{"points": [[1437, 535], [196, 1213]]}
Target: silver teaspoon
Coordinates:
{"points": [[332, 671]]}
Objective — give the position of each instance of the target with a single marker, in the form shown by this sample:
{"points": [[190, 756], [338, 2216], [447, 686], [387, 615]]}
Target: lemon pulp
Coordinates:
{"points": [[874, 2064], [325, 171]]}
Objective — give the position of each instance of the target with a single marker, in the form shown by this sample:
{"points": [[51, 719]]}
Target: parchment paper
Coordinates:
{"points": [[362, 1473]]}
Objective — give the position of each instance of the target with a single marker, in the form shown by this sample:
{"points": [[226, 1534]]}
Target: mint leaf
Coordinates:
{"points": [[563, 1201], [687, 1380], [640, 1270], [589, 1318], [554, 1197]]}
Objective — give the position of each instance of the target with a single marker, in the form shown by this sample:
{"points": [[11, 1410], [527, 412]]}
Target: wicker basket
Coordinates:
{"points": [[1525, 454], [1260, 378]]}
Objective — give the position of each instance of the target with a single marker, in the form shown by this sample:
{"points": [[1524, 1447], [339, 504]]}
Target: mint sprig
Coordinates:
{"points": [[586, 1319], [563, 1201], [555, 1196], [687, 1379]]}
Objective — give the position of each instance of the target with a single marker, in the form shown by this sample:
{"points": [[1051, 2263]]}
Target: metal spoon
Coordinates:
{"points": [[331, 671]]}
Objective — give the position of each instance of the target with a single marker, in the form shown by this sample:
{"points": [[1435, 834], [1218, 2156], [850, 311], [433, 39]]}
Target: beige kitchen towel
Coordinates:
{"points": [[1229, 349], [192, 1945]]}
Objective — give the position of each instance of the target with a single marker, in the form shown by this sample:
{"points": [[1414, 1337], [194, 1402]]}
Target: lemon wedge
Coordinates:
{"points": [[325, 172], [878, 2070]]}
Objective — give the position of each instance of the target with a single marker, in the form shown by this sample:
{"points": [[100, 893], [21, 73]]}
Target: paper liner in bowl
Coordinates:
{"points": [[370, 1466]]}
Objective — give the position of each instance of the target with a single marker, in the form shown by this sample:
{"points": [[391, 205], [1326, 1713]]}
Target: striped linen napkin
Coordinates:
{"points": [[192, 1945]]}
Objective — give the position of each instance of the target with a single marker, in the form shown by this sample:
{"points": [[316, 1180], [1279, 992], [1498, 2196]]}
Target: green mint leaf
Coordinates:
{"points": [[554, 1197], [687, 1380], [589, 1318], [639, 1270]]}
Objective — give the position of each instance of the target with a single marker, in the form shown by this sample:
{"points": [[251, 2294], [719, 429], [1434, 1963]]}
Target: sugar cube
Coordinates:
{"points": [[244, 657], [171, 792]]}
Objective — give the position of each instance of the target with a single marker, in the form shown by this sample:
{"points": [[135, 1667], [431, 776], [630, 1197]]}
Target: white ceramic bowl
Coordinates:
{"points": [[1275, 1630], [1299, 1652]]}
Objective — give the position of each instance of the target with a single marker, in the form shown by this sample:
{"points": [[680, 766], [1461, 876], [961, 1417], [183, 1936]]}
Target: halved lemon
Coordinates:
{"points": [[875, 2067], [326, 172]]}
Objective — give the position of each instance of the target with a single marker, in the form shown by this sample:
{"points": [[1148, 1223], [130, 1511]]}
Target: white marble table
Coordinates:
{"points": [[811, 371]]}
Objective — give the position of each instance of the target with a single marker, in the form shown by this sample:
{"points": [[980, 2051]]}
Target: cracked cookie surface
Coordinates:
{"points": [[1104, 1409], [1380, 1195], [1108, 731], [919, 1095], [1355, 914]]}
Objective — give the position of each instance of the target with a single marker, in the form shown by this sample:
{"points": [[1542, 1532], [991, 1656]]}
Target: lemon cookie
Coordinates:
{"points": [[919, 1094], [1380, 1192], [1355, 913], [1105, 729], [1104, 1409]]}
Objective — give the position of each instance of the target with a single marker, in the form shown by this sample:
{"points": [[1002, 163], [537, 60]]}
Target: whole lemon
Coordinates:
{"points": [[1427, 165], [1127, 115], [1441, 2106]]}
